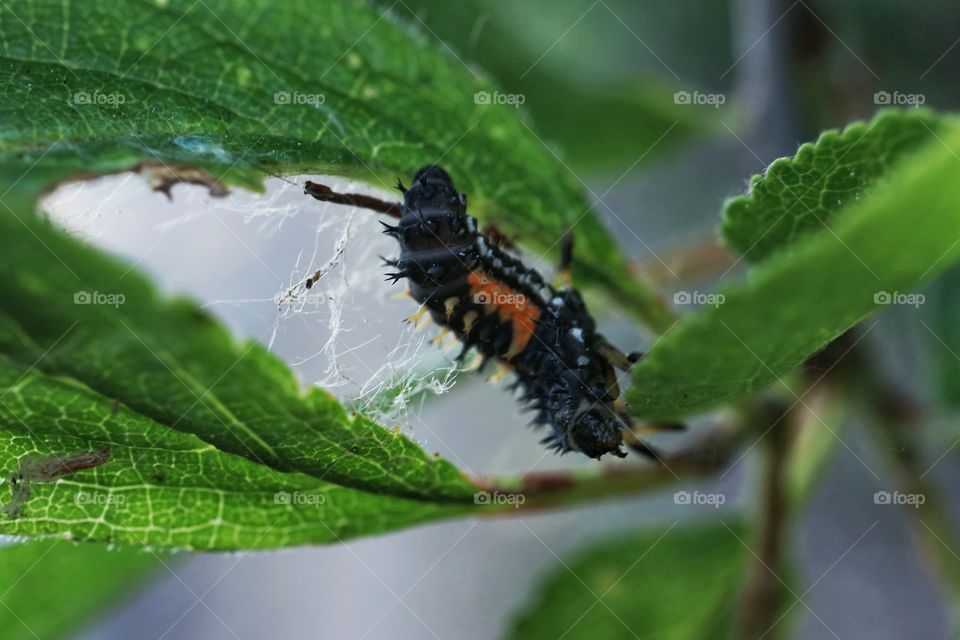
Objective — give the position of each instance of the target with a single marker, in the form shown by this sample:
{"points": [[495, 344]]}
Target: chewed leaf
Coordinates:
{"points": [[174, 364], [338, 88], [803, 193]]}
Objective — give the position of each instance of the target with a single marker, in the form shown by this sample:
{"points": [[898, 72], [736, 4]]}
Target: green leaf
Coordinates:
{"points": [[608, 123], [628, 126], [678, 584], [174, 364], [239, 88], [803, 194], [235, 427], [161, 487], [801, 298], [50, 587]]}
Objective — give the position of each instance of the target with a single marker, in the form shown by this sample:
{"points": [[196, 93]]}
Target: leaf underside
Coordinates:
{"points": [[245, 87]]}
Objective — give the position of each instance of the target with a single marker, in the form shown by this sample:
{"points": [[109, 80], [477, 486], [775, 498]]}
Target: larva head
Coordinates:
{"points": [[595, 434], [432, 191]]}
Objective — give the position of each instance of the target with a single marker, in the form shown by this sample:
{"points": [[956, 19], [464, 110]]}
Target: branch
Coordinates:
{"points": [[541, 490], [325, 194], [701, 258], [763, 596]]}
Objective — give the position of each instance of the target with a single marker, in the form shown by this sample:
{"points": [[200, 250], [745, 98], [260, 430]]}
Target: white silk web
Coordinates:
{"points": [[247, 257]]}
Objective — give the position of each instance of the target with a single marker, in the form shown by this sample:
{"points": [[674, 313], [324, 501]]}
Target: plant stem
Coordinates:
{"points": [[543, 490], [701, 258], [762, 597], [798, 443]]}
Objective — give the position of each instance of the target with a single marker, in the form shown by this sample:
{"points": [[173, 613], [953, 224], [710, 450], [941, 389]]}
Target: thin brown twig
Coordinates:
{"points": [[707, 454], [700, 258], [763, 595], [325, 194]]}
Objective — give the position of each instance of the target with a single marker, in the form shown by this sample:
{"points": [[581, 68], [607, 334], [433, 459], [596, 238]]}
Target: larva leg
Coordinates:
{"points": [[633, 437], [641, 447], [564, 277], [502, 371], [619, 359], [497, 237], [657, 427]]}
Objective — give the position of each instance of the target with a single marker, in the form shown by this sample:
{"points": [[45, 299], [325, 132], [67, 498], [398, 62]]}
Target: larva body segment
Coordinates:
{"points": [[495, 304]]}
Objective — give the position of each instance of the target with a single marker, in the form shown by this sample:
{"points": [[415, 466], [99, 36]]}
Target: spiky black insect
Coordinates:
{"points": [[508, 312]]}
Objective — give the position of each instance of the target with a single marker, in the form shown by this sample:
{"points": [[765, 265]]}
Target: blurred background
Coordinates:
{"points": [[663, 108]]}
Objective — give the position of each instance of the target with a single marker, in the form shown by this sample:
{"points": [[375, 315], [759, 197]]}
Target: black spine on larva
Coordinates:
{"points": [[564, 380]]}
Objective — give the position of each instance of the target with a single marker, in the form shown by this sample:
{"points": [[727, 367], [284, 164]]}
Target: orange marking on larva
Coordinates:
{"points": [[511, 305]]}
